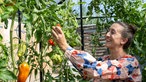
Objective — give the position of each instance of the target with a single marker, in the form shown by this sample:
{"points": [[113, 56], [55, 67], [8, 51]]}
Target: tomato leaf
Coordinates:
{"points": [[7, 75], [144, 5]]}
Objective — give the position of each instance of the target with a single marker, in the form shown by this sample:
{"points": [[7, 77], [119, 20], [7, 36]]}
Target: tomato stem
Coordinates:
{"points": [[11, 42]]}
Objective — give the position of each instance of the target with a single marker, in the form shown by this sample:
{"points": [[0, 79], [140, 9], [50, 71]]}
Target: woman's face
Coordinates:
{"points": [[113, 37]]}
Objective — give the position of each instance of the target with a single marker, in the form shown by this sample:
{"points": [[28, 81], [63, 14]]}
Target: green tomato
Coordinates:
{"points": [[57, 59], [21, 50]]}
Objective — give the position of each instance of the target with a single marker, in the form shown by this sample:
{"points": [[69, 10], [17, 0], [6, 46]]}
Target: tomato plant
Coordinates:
{"points": [[39, 16], [5, 72]]}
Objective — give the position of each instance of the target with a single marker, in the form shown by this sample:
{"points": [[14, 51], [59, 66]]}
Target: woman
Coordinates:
{"points": [[119, 66]]}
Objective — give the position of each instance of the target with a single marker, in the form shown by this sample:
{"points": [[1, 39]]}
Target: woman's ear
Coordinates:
{"points": [[124, 40]]}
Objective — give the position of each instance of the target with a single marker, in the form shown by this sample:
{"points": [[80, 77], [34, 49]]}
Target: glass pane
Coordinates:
{"points": [[85, 4]]}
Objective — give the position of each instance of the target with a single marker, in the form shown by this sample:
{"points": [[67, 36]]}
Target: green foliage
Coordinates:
{"points": [[5, 73], [130, 11]]}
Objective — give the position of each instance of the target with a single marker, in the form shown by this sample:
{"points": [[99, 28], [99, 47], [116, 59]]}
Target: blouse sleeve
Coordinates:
{"points": [[90, 68]]}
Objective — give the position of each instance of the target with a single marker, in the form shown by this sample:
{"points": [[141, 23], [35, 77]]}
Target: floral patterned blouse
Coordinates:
{"points": [[124, 69]]}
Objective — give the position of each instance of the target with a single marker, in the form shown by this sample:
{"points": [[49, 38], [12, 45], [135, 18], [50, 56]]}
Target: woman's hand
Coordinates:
{"points": [[59, 37]]}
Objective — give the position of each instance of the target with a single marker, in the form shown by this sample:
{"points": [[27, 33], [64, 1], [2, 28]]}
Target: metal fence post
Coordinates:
{"points": [[19, 24], [81, 23]]}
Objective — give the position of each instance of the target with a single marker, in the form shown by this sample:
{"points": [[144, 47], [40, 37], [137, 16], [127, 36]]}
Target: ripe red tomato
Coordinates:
{"points": [[51, 42], [58, 25]]}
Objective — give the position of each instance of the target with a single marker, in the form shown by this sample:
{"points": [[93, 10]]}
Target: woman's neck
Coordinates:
{"points": [[117, 53]]}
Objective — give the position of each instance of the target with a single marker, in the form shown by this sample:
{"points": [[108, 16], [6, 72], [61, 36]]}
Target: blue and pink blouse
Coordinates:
{"points": [[124, 69]]}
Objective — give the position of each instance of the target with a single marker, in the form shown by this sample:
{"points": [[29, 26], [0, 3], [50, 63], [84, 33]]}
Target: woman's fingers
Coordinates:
{"points": [[59, 30], [55, 30], [55, 36]]}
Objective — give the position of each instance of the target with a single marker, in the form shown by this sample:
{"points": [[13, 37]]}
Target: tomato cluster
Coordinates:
{"points": [[57, 59]]}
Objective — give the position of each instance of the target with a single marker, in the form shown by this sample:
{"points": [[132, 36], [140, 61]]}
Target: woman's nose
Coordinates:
{"points": [[108, 34]]}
